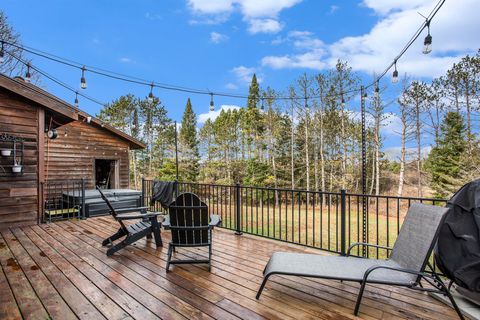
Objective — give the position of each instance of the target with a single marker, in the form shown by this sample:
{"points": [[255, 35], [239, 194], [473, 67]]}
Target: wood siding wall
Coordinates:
{"points": [[19, 194], [73, 156]]}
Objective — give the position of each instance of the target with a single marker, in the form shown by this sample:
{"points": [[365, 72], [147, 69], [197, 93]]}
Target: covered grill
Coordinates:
{"points": [[458, 249]]}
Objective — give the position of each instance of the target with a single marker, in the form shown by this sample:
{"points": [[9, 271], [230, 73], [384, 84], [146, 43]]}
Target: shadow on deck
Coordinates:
{"points": [[60, 270]]}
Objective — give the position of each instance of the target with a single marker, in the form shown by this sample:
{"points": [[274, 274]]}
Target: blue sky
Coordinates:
{"points": [[217, 44]]}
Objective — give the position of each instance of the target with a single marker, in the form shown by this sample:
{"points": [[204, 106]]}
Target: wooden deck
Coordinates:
{"points": [[60, 271]]}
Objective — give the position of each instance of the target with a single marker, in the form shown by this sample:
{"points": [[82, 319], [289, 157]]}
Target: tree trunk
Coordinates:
{"points": [[401, 175], [292, 147], [307, 153], [419, 149]]}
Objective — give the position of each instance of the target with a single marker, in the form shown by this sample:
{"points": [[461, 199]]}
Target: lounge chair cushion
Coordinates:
{"points": [[335, 267]]}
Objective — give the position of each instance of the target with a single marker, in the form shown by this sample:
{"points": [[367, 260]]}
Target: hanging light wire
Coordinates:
{"points": [[131, 79]]}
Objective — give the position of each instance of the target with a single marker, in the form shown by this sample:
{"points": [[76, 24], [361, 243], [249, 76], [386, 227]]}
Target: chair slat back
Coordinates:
{"points": [[418, 236], [110, 207], [189, 220]]}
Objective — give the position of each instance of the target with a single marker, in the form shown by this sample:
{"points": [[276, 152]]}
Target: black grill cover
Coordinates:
{"points": [[458, 248], [162, 192]]}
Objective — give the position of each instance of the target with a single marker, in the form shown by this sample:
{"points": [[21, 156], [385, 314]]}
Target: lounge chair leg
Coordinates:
{"points": [[169, 258], [454, 304], [262, 286], [359, 298], [446, 291]]}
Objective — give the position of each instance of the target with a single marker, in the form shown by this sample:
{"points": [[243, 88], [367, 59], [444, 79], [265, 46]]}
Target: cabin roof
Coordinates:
{"points": [[53, 103]]}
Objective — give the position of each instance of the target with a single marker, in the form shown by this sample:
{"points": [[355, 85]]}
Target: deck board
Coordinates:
{"points": [[60, 270]]}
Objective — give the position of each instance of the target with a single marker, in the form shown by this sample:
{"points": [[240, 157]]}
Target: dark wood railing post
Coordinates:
{"points": [[143, 192], [238, 210], [343, 212], [83, 198]]}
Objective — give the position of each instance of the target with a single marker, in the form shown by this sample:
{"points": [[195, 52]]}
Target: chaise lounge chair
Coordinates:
{"points": [[405, 267], [133, 232], [191, 226]]}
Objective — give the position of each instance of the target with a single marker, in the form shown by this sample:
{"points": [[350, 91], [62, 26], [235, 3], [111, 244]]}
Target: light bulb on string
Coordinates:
{"points": [[427, 43], [365, 96], [150, 95], [212, 104], [377, 91], [28, 76], [76, 99], [395, 74], [2, 53], [343, 101], [83, 82]]}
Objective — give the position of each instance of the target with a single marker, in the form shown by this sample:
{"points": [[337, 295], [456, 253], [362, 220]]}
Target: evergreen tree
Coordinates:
{"points": [[445, 160], [253, 93], [251, 121], [189, 145]]}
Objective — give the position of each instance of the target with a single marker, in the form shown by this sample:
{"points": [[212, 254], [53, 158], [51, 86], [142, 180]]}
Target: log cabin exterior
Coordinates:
{"points": [[26, 112]]}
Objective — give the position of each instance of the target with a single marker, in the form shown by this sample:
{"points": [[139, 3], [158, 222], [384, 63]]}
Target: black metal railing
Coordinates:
{"points": [[63, 199], [330, 221]]}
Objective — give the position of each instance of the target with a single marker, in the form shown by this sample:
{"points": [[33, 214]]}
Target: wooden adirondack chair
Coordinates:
{"points": [[191, 226], [134, 232]]}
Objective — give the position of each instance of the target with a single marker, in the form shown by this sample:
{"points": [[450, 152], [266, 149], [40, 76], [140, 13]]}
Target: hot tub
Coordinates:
{"points": [[94, 204]]}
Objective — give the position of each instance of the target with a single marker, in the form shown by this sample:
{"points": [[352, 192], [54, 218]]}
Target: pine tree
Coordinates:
{"points": [[251, 121], [445, 160], [189, 145]]}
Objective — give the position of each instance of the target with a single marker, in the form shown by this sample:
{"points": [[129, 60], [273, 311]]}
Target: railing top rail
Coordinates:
{"points": [[395, 197], [314, 192]]}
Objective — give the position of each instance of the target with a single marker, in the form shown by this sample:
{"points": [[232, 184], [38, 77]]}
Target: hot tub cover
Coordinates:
{"points": [[458, 249]]}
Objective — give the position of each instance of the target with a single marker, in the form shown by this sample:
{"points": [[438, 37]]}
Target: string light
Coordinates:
{"points": [[343, 101], [150, 95], [28, 76], [76, 99], [377, 91], [2, 53], [262, 106], [83, 82], [126, 78], [427, 43], [395, 74], [212, 104]]}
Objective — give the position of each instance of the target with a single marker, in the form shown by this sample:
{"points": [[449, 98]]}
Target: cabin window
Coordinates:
{"points": [[106, 173]]}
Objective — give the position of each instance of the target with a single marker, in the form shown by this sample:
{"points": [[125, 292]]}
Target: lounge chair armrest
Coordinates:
{"points": [[138, 215], [133, 209], [404, 270], [215, 220], [356, 244]]}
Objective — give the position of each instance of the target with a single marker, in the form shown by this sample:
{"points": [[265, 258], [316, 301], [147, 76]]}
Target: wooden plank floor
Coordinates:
{"points": [[60, 270]]}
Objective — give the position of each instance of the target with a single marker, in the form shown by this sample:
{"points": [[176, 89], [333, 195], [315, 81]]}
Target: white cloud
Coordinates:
{"points": [[125, 60], [244, 74], [397, 22], [216, 37], [307, 60], [212, 115], [394, 153], [261, 16], [264, 26], [231, 86], [311, 57], [333, 9], [153, 16]]}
